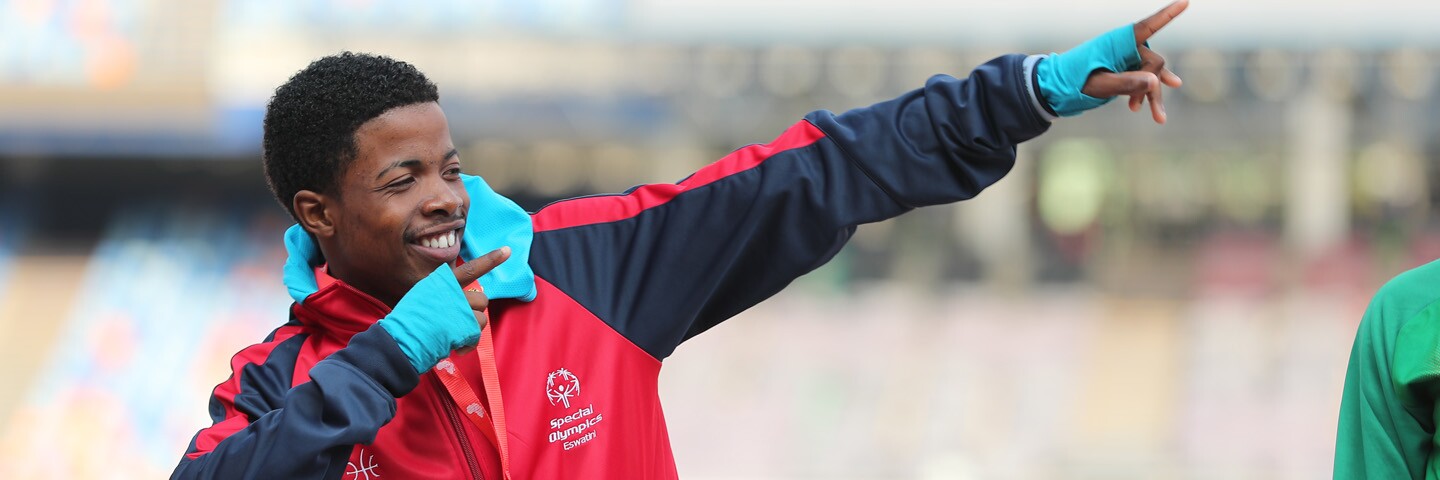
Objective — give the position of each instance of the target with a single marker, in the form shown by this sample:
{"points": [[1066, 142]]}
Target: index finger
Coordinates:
{"points": [[1146, 28], [471, 271]]}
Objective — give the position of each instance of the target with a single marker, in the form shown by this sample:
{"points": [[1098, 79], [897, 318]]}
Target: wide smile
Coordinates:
{"points": [[442, 247]]}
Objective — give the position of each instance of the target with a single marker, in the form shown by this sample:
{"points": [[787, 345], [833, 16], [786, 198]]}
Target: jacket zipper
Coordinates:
{"points": [[453, 414]]}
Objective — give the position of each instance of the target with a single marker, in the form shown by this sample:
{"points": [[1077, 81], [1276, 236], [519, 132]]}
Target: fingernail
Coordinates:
{"points": [[505, 249]]}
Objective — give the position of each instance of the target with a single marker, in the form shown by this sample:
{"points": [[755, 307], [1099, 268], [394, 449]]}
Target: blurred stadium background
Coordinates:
{"points": [[1133, 301]]}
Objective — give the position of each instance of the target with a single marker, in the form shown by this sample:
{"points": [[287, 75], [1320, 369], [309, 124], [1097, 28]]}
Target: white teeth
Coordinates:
{"points": [[444, 240]]}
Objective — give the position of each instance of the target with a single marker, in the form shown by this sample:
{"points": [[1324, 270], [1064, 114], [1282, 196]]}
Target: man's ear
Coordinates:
{"points": [[315, 212]]}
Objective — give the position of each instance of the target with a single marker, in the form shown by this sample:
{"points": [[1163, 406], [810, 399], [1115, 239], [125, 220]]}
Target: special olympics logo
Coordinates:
{"points": [[561, 386]]}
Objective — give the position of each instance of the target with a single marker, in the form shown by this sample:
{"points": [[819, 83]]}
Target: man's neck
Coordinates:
{"points": [[341, 275]]}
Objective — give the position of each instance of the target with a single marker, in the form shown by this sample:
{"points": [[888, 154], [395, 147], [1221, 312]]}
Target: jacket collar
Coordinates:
{"points": [[338, 309]]}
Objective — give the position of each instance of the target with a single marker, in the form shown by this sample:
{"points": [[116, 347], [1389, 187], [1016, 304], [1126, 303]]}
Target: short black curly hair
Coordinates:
{"points": [[311, 121]]}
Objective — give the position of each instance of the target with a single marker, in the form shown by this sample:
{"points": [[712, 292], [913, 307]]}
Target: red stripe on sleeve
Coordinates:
{"points": [[610, 208], [207, 439]]}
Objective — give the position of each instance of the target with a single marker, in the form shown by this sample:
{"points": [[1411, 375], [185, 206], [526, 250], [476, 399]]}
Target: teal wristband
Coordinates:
{"points": [[432, 319], [1062, 76]]}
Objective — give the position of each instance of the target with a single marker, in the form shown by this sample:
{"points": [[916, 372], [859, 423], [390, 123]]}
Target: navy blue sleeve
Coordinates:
{"points": [[266, 429], [663, 263]]}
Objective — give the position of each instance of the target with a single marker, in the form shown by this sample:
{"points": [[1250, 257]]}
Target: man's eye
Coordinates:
{"points": [[400, 183], [453, 171]]}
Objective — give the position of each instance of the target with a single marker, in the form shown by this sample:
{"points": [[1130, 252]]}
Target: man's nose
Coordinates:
{"points": [[442, 200]]}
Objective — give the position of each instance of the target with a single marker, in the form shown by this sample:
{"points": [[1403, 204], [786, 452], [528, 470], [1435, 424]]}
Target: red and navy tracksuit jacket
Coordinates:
{"points": [[622, 280]]}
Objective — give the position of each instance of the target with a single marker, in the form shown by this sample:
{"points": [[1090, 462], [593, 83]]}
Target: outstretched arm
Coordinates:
{"points": [[665, 262]]}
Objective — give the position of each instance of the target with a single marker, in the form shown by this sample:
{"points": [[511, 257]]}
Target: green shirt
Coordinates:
{"points": [[1387, 414]]}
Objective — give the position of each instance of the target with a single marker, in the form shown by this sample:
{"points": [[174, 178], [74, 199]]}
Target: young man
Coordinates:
{"points": [[383, 370]]}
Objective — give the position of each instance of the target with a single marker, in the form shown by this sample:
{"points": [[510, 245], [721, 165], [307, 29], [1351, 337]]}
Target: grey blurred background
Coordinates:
{"points": [[1132, 301]]}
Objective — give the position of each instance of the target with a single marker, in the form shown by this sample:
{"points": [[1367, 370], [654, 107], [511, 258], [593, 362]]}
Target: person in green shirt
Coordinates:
{"points": [[1387, 412]]}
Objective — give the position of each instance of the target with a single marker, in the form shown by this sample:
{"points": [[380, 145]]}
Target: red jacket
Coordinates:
{"points": [[622, 280]]}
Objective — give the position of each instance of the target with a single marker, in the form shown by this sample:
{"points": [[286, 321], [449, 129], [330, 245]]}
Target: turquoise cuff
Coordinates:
{"points": [[1062, 75], [432, 319]]}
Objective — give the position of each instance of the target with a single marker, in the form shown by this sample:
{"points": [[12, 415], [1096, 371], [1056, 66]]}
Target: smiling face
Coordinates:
{"points": [[398, 210]]}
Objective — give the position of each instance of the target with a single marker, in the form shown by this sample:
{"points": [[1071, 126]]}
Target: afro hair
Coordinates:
{"points": [[311, 121]]}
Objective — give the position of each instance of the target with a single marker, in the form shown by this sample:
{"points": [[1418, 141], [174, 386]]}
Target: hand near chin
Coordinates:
{"points": [[436, 316]]}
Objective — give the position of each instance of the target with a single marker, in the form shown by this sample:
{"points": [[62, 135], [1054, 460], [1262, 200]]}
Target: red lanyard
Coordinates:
{"points": [[493, 425]]}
